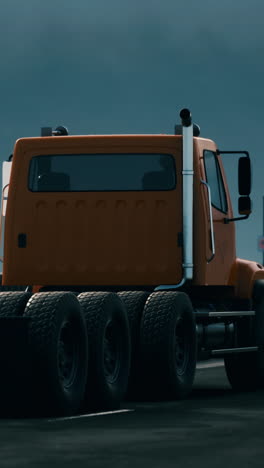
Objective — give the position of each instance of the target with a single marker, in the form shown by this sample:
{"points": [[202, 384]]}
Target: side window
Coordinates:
{"points": [[215, 180]]}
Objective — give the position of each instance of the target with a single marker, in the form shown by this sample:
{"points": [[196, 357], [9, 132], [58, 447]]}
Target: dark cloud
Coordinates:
{"points": [[128, 67]]}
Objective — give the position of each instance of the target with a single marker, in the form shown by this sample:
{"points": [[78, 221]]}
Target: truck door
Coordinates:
{"points": [[219, 262]]}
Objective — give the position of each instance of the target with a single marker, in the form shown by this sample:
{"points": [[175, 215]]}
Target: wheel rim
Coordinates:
{"points": [[181, 346], [68, 354], [112, 352]]}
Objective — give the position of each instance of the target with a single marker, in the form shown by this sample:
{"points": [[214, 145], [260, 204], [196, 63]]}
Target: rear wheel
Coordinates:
{"points": [[134, 302], [168, 344], [12, 304], [59, 350], [13, 359], [109, 349]]}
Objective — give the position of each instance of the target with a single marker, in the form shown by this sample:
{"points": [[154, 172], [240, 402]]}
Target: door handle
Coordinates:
{"points": [[22, 240]]}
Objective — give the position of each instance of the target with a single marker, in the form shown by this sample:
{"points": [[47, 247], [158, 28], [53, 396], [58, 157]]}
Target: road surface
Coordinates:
{"points": [[214, 428]]}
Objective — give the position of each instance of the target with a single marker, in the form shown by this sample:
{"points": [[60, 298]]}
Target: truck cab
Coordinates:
{"points": [[111, 211]]}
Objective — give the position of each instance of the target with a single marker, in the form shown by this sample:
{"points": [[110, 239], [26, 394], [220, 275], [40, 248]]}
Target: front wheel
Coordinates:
{"points": [[245, 371]]}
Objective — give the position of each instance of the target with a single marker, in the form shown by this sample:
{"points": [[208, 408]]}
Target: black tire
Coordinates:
{"points": [[12, 304], [241, 369], [134, 302], [13, 358], [258, 306], [109, 349], [59, 350], [168, 345], [245, 371]]}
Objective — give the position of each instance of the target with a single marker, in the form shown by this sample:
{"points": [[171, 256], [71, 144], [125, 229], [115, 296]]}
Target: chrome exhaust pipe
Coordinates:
{"points": [[187, 180], [187, 200]]}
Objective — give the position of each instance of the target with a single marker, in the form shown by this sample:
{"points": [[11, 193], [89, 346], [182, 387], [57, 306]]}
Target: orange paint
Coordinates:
{"points": [[116, 238]]}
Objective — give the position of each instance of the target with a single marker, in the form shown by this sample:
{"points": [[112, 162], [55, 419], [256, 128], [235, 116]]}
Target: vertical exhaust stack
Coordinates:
{"points": [[187, 199], [187, 176]]}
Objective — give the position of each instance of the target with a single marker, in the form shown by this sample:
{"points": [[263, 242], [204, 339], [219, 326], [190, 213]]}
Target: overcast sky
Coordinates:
{"points": [[116, 66]]}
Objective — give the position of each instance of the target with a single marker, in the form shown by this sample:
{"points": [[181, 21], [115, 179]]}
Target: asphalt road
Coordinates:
{"points": [[213, 428]]}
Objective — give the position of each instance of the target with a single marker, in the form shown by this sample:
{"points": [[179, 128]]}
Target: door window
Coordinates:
{"points": [[215, 181]]}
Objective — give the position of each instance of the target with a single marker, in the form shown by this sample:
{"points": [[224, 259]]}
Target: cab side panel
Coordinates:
{"points": [[95, 238]]}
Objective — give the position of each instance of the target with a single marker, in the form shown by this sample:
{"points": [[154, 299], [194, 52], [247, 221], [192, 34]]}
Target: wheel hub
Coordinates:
{"points": [[111, 352], [67, 355], [182, 346]]}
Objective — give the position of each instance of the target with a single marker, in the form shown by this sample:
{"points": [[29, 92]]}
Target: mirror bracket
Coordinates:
{"points": [[229, 220]]}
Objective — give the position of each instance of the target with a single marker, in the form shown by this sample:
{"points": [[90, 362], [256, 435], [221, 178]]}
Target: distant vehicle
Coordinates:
{"points": [[126, 247]]}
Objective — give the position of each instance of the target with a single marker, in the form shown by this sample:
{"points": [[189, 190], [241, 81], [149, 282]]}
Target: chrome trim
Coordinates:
{"points": [[242, 313], [2, 216], [230, 313], [248, 349], [164, 287], [211, 221], [187, 209], [187, 181]]}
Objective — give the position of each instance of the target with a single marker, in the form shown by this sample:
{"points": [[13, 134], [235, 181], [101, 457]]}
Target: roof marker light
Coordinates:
{"points": [[59, 131]]}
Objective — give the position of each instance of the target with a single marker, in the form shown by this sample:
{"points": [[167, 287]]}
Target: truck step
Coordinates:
{"points": [[220, 352], [222, 314]]}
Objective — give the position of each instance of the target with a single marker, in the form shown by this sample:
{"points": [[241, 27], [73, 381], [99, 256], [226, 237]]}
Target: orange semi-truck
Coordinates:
{"points": [[126, 247]]}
